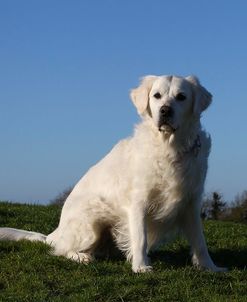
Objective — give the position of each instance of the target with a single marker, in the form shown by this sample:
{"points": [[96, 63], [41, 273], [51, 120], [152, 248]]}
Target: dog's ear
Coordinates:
{"points": [[140, 95], [202, 97]]}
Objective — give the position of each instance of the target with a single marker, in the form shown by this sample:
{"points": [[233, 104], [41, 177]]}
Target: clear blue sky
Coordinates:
{"points": [[66, 68]]}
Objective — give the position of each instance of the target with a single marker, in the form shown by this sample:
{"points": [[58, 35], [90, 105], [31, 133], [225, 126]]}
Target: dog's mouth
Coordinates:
{"points": [[167, 127]]}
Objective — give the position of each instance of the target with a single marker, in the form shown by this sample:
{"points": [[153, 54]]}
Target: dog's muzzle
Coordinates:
{"points": [[165, 119]]}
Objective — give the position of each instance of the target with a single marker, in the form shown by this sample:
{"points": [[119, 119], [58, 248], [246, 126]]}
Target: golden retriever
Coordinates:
{"points": [[148, 187]]}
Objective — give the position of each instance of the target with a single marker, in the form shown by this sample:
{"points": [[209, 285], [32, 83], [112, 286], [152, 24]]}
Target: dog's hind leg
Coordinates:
{"points": [[76, 241]]}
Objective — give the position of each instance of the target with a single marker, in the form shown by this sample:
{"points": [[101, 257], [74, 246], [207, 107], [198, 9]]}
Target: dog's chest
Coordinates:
{"points": [[174, 183], [179, 171]]}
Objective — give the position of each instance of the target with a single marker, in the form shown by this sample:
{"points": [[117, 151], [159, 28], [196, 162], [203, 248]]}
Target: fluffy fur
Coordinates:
{"points": [[147, 188]]}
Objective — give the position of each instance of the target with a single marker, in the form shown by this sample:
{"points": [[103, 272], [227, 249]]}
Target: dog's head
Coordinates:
{"points": [[170, 100]]}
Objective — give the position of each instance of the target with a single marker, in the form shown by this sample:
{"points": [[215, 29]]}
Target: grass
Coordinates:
{"points": [[29, 273]]}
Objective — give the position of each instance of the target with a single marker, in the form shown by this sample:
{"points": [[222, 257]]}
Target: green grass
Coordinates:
{"points": [[29, 273]]}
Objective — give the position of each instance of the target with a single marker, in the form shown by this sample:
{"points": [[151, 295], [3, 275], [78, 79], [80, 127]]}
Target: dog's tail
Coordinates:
{"points": [[16, 235]]}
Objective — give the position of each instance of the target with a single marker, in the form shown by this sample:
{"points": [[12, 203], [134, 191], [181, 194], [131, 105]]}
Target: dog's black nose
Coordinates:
{"points": [[166, 111]]}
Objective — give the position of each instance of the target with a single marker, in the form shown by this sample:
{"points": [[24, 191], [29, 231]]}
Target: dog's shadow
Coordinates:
{"points": [[181, 257], [229, 258], [176, 257], [171, 259]]}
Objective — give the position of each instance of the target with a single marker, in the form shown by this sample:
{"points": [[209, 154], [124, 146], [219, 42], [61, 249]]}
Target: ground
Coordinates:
{"points": [[29, 273]]}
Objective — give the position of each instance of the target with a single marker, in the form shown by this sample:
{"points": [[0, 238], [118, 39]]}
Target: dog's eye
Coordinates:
{"points": [[180, 97], [157, 95]]}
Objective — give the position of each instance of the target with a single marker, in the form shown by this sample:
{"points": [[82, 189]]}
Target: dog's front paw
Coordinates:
{"points": [[142, 269], [207, 265], [210, 267], [214, 269], [218, 269]]}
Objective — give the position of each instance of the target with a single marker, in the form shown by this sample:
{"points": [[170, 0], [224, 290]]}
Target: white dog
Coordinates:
{"points": [[148, 187]]}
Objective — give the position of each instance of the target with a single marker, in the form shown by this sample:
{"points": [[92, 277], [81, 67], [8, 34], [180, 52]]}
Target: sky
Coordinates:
{"points": [[66, 69]]}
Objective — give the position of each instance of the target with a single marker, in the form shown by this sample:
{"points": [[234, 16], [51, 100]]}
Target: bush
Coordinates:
{"points": [[214, 208], [238, 209], [61, 198]]}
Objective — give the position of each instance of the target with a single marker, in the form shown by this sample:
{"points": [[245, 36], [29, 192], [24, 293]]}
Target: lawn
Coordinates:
{"points": [[29, 273]]}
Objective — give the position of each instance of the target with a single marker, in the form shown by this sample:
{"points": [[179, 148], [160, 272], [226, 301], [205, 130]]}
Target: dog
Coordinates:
{"points": [[148, 188]]}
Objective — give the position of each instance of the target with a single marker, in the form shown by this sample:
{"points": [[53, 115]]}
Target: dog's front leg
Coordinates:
{"points": [[193, 230], [138, 238]]}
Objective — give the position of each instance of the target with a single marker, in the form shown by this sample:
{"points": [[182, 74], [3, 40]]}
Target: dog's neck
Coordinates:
{"points": [[195, 148], [183, 142], [186, 140]]}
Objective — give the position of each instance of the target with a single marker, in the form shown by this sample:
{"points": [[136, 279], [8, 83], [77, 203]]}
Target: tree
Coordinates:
{"points": [[238, 211], [213, 206], [217, 206]]}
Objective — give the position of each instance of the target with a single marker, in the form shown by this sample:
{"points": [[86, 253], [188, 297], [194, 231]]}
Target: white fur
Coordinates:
{"points": [[147, 188]]}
